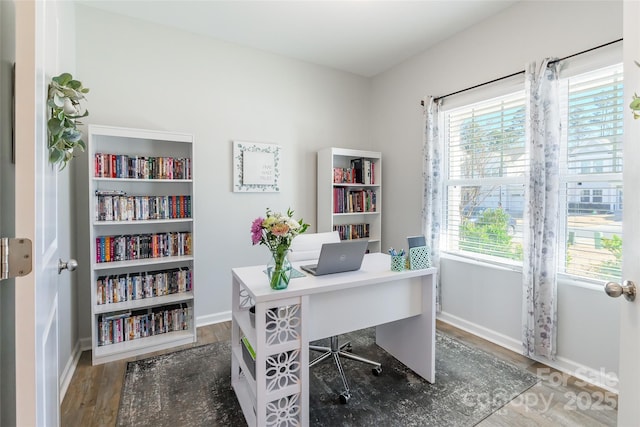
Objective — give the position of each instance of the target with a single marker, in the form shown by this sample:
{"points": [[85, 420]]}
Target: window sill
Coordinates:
{"points": [[563, 279], [479, 260]]}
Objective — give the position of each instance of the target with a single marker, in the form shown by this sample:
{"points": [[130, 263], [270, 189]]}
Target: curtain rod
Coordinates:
{"points": [[522, 72]]}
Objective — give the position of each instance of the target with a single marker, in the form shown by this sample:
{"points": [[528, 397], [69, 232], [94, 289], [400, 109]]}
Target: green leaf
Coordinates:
{"points": [[55, 155], [63, 79], [72, 94], [71, 135], [54, 125], [74, 84], [58, 100], [82, 145]]}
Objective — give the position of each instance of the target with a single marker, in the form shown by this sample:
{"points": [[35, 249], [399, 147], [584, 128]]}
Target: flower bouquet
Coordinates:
{"points": [[276, 231]]}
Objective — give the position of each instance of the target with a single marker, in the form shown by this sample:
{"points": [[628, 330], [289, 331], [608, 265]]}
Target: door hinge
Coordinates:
{"points": [[15, 257]]}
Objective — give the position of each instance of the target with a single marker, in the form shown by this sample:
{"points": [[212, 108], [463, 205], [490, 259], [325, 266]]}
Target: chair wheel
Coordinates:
{"points": [[349, 348], [377, 371], [344, 397]]}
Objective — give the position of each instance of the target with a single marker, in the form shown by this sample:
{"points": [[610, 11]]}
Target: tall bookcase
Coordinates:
{"points": [[350, 194], [142, 239]]}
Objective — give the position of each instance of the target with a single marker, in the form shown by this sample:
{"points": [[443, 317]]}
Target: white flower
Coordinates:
{"points": [[70, 109]]}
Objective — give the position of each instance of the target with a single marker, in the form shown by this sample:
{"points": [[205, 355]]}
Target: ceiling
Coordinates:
{"points": [[358, 36]]}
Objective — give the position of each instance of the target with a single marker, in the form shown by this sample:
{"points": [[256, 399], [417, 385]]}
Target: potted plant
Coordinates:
{"points": [[65, 95], [276, 231]]}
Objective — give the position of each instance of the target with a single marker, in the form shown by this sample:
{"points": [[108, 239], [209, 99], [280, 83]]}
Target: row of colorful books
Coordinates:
{"points": [[344, 176], [141, 167], [136, 286], [120, 327], [362, 171], [109, 207], [352, 231], [142, 246], [351, 201]]}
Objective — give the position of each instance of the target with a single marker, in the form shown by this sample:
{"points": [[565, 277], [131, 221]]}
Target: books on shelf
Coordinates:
{"points": [[353, 201], [127, 326], [111, 205], [135, 286], [362, 171], [141, 167], [352, 231], [141, 226], [142, 246]]}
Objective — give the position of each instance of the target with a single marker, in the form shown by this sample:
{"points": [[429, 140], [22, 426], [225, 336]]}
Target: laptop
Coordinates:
{"points": [[338, 257]]}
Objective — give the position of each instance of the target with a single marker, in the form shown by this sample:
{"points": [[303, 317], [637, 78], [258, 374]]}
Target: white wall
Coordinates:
{"points": [[487, 301], [144, 75]]}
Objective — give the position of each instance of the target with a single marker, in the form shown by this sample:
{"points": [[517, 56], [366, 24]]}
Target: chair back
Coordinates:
{"points": [[307, 246]]}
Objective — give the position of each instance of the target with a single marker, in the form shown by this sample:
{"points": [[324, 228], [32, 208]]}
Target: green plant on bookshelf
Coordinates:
{"points": [[65, 95]]}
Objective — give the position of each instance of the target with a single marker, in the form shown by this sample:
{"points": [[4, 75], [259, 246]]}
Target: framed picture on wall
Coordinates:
{"points": [[256, 167]]}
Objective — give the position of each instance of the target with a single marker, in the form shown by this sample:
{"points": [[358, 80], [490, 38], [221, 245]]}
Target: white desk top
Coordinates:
{"points": [[376, 268]]}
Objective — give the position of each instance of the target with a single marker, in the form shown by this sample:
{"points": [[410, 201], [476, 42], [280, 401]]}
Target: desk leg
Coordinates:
{"points": [[413, 340]]}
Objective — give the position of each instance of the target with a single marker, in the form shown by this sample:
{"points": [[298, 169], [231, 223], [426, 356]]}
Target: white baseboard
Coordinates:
{"points": [[69, 370], [85, 344], [482, 332], [570, 367], [210, 319]]}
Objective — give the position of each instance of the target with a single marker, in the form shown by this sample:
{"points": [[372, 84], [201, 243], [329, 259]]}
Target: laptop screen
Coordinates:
{"points": [[338, 257]]}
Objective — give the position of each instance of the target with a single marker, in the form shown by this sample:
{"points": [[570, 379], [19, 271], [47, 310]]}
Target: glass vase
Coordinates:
{"points": [[279, 271]]}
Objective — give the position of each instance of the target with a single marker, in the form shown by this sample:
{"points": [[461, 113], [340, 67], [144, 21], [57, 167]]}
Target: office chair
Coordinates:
{"points": [[307, 247]]}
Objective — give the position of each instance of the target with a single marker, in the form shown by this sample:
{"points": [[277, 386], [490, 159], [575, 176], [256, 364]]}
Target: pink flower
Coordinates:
{"points": [[256, 230], [280, 229]]}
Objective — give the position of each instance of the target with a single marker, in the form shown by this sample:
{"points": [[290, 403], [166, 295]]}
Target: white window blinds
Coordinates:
{"points": [[486, 165], [592, 179]]}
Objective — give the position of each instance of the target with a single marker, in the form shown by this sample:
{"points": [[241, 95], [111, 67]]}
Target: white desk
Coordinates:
{"points": [[400, 304]]}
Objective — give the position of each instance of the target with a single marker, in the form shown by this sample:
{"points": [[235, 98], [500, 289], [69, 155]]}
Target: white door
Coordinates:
{"points": [[629, 372], [36, 295]]}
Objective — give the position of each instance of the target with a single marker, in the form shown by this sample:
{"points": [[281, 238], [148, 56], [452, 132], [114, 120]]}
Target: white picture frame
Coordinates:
{"points": [[256, 167]]}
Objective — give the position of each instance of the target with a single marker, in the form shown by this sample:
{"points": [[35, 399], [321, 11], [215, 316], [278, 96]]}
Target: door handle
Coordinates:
{"points": [[70, 265], [628, 289]]}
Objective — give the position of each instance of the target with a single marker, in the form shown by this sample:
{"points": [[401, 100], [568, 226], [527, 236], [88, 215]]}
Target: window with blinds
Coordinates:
{"points": [[485, 171], [592, 180], [486, 164]]}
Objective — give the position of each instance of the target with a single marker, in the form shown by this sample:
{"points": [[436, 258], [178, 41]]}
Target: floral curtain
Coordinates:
{"points": [[541, 218], [432, 178]]}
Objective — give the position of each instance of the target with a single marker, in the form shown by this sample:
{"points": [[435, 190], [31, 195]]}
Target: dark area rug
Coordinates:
{"points": [[192, 388]]}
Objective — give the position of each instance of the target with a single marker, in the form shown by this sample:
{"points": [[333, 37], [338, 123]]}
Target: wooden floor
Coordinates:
{"points": [[93, 396]]}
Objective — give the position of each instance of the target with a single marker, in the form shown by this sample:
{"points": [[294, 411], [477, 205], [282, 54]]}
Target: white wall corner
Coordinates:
{"points": [[210, 319]]}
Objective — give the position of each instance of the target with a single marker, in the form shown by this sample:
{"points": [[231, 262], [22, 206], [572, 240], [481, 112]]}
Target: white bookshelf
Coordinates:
{"points": [[329, 214], [155, 238]]}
